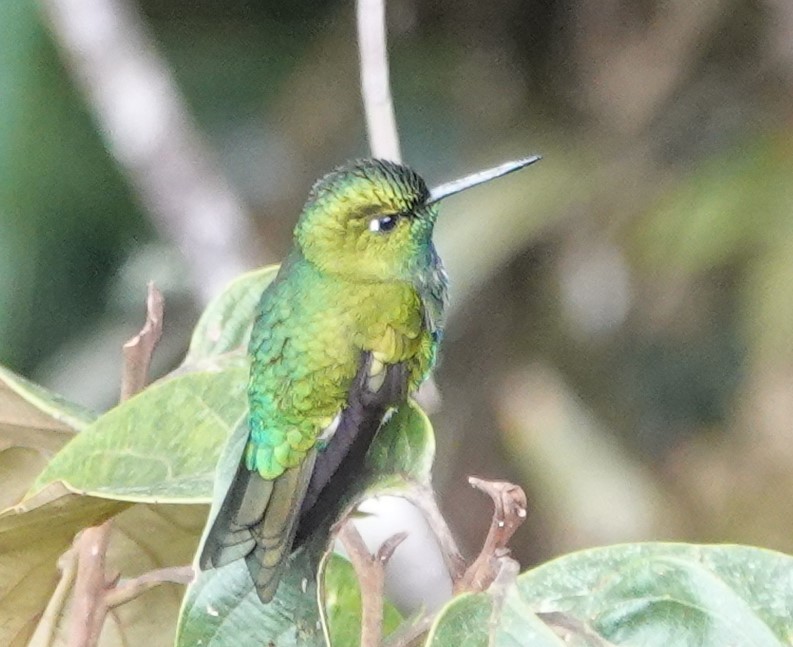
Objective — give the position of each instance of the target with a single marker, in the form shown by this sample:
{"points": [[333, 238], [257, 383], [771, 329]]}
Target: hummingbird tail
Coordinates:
{"points": [[257, 521]]}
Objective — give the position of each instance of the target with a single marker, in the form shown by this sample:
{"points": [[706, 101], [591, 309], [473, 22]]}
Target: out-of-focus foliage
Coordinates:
{"points": [[647, 262]]}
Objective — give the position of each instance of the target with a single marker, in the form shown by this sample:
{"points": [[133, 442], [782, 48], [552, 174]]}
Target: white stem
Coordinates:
{"points": [[378, 106]]}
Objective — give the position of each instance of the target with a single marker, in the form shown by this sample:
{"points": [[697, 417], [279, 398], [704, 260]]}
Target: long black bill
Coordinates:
{"points": [[480, 177]]}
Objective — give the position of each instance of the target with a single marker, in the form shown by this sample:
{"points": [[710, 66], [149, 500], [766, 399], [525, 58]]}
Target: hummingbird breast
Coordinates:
{"points": [[306, 348]]}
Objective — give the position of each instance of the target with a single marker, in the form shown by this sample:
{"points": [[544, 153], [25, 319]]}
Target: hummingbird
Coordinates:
{"points": [[346, 331]]}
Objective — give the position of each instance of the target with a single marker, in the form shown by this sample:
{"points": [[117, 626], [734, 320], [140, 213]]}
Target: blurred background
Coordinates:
{"points": [[621, 335]]}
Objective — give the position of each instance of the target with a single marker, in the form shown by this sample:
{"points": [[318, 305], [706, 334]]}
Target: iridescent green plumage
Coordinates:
{"points": [[347, 329], [343, 290], [350, 295]]}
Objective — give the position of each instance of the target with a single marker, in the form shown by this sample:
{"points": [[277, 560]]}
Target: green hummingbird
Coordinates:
{"points": [[346, 331]]}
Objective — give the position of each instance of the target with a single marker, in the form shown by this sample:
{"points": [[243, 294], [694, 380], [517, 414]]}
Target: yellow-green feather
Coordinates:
{"points": [[306, 347]]}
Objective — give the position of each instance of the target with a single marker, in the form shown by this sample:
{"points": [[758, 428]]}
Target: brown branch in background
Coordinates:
{"points": [[148, 130], [91, 587], [375, 88], [546, 424], [509, 502], [370, 570]]}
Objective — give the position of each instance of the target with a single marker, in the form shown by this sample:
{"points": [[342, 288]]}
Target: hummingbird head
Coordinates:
{"points": [[367, 220], [372, 220]]}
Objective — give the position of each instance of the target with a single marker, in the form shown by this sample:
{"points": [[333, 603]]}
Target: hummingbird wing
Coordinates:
{"points": [[260, 518], [257, 521], [341, 463]]}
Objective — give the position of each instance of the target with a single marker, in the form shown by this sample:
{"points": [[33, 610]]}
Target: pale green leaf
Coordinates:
{"points": [[222, 609], [404, 447], [159, 447], [34, 425], [162, 444], [463, 623], [226, 323], [639, 594]]}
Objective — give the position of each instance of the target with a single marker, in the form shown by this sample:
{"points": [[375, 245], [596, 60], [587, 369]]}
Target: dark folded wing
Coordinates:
{"points": [[342, 461], [259, 519]]}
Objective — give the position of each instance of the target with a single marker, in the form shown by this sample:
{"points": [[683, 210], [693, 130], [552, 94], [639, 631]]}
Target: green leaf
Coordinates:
{"points": [[463, 622], [25, 404], [405, 447], [226, 323], [34, 425], [639, 594], [222, 609], [162, 444]]}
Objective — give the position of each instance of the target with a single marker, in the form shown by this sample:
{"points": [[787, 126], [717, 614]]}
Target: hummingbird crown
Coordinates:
{"points": [[368, 220]]}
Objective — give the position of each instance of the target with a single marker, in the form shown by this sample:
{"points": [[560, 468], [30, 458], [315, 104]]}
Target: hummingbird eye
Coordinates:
{"points": [[383, 223]]}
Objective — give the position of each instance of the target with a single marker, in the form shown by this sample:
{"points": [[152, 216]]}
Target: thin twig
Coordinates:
{"points": [[370, 570], [88, 606], [492, 565], [91, 587], [134, 587], [378, 105], [138, 350], [571, 629], [45, 631], [410, 630], [148, 129], [424, 499], [509, 502], [504, 579]]}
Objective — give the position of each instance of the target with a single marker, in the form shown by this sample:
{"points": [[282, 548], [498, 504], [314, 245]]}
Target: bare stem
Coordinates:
{"points": [[410, 631], [150, 133], [424, 499], [375, 87], [45, 631], [370, 570], [509, 503], [132, 588], [138, 350], [88, 607], [91, 588]]}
